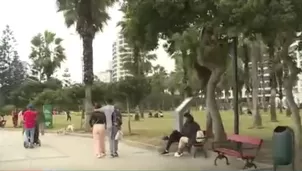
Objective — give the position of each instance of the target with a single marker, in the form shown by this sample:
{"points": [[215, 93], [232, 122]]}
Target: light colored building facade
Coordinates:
{"points": [[264, 84], [120, 50], [105, 76]]}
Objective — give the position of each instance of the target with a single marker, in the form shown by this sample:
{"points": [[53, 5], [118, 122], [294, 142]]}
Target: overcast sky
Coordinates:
{"points": [[27, 18]]}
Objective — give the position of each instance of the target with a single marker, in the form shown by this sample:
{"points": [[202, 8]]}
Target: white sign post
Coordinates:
{"points": [[179, 112]]}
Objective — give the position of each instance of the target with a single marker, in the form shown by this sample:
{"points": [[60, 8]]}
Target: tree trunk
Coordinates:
{"points": [[88, 75], [295, 117], [247, 75], [240, 102], [248, 100], [185, 79], [289, 82], [129, 116], [280, 93], [88, 106], [273, 105], [218, 129], [141, 111], [273, 84], [209, 124], [257, 121], [263, 99]]}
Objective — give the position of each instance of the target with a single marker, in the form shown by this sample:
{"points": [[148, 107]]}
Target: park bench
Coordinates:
{"points": [[239, 146], [199, 145]]}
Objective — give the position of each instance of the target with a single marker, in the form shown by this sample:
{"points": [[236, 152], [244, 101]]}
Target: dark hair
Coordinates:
{"points": [[109, 101], [97, 106], [189, 117]]}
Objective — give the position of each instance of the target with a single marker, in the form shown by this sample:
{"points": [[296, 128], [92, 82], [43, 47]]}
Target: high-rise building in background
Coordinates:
{"points": [[120, 51], [105, 76], [264, 79]]}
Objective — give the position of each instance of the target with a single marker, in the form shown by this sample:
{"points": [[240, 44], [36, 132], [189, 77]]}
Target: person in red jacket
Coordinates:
{"points": [[29, 118]]}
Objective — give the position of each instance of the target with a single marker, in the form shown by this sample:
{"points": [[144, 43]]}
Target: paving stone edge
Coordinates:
{"points": [[125, 140]]}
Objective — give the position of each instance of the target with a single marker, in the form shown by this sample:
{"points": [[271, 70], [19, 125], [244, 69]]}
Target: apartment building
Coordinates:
{"points": [[105, 76], [264, 80], [120, 50]]}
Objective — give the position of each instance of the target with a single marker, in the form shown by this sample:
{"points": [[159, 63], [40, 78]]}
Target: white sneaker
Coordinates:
{"points": [[102, 154], [177, 154], [98, 156]]}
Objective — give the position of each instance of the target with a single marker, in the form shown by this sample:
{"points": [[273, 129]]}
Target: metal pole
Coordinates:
{"points": [[235, 88]]}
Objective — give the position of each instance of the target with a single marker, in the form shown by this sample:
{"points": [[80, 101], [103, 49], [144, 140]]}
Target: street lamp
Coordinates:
{"points": [[235, 88]]}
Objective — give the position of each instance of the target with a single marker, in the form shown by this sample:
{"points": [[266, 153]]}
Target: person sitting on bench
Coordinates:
{"points": [[161, 115], [150, 114], [186, 137]]}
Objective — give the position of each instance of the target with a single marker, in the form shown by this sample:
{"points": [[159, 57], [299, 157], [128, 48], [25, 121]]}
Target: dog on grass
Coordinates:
{"points": [[63, 131], [70, 128]]}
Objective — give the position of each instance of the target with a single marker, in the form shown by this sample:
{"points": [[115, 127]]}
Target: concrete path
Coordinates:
{"points": [[75, 153]]}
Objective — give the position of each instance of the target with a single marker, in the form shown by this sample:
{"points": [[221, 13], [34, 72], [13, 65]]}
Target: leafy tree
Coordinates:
{"points": [[89, 17], [12, 70], [47, 54]]}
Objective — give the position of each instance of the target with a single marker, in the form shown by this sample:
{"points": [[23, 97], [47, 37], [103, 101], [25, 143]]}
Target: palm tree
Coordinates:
{"points": [[89, 17], [47, 54]]}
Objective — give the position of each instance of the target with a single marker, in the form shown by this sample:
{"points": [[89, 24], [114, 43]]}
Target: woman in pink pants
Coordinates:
{"points": [[98, 124]]}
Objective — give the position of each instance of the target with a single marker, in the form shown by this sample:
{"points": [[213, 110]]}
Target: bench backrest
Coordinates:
{"points": [[245, 139], [200, 136]]}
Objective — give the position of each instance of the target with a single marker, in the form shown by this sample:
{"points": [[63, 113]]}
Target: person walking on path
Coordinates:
{"points": [[41, 122], [111, 131], [29, 118], [68, 115], [116, 127], [15, 118], [98, 125]]}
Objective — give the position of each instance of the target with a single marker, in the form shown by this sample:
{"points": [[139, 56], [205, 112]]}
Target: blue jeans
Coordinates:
{"points": [[113, 144], [29, 134]]}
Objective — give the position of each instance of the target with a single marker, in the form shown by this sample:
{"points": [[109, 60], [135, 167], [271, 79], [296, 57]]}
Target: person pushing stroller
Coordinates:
{"points": [[29, 120]]}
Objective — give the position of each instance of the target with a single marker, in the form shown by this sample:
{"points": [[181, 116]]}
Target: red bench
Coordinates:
{"points": [[243, 147]]}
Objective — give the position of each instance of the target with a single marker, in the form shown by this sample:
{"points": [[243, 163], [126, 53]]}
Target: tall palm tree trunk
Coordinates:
{"points": [[247, 75], [88, 76], [257, 121], [273, 84], [262, 85], [185, 79]]}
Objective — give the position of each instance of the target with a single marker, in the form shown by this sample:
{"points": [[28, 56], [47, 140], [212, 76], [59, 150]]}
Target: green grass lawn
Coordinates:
{"points": [[149, 130]]}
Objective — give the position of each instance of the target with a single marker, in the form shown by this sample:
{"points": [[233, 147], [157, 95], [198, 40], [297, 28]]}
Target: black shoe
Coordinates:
{"points": [[165, 152], [115, 155], [112, 155], [165, 138]]}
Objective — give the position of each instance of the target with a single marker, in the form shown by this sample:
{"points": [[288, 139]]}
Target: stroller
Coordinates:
{"points": [[37, 141]]}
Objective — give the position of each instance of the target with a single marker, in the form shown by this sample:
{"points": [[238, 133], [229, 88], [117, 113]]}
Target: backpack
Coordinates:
{"points": [[117, 118]]}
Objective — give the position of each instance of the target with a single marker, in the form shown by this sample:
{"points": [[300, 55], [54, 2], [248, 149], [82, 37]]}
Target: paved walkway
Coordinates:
{"points": [[75, 153]]}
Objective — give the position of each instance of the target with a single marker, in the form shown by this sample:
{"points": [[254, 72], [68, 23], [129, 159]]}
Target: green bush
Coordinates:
{"points": [[6, 110]]}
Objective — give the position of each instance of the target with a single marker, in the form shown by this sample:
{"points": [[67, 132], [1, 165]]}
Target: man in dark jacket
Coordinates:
{"points": [[186, 137]]}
